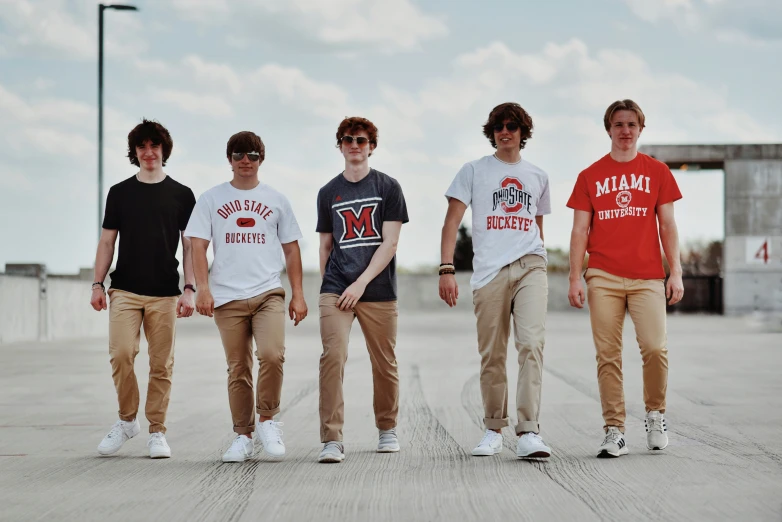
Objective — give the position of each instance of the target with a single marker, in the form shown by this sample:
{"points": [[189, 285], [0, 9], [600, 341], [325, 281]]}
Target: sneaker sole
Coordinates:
{"points": [[388, 450], [535, 455], [605, 454], [331, 460], [479, 454], [656, 448], [235, 460], [160, 455]]}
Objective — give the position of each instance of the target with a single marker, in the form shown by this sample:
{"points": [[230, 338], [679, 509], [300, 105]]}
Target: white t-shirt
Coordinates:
{"points": [[247, 229], [505, 199]]}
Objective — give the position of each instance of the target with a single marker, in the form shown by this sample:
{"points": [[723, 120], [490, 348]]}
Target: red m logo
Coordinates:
{"points": [[358, 226]]}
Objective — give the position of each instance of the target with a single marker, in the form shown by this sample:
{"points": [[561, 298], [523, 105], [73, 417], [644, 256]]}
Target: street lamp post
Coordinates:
{"points": [[101, 8]]}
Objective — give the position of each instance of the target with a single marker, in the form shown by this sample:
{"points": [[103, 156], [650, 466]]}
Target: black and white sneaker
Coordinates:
{"points": [[656, 431], [614, 444]]}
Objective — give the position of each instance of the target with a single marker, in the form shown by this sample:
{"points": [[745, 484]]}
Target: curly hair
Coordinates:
{"points": [[245, 141], [356, 123], [152, 131], [624, 105], [508, 111]]}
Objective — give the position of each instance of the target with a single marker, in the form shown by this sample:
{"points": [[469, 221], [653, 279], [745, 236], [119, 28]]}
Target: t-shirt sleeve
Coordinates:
{"points": [[200, 225], [394, 205], [324, 214], [669, 189], [287, 227], [461, 187], [544, 203], [579, 199], [188, 202], [111, 216]]}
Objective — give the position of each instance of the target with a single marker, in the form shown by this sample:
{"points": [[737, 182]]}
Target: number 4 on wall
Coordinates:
{"points": [[762, 252]]}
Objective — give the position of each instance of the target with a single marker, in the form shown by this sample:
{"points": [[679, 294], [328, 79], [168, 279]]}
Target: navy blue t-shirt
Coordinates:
{"points": [[354, 214]]}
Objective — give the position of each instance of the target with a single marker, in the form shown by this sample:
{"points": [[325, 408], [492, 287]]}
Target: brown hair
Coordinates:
{"points": [[623, 105], [508, 111], [245, 141], [152, 131], [356, 123]]}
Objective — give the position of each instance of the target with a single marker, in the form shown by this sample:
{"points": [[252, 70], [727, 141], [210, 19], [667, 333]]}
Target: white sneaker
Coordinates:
{"points": [[120, 433], [531, 446], [269, 436], [613, 445], [656, 436], [158, 447], [490, 444], [388, 442], [241, 449], [332, 451]]}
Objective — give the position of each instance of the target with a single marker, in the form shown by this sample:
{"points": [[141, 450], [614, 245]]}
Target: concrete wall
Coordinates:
{"points": [[66, 312], [753, 209], [19, 303]]}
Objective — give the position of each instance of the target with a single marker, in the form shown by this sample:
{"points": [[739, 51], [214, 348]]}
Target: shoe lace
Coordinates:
{"points": [[488, 437], [654, 424], [535, 437], [237, 444], [612, 436], [115, 431], [272, 430], [332, 445], [156, 439], [387, 435]]}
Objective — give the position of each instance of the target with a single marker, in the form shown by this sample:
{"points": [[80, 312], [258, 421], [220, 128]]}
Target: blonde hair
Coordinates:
{"points": [[623, 105]]}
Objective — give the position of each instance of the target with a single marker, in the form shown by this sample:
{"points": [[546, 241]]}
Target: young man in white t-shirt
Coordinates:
{"points": [[509, 197], [249, 224]]}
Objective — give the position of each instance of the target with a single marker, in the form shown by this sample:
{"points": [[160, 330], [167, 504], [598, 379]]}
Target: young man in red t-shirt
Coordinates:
{"points": [[623, 207]]}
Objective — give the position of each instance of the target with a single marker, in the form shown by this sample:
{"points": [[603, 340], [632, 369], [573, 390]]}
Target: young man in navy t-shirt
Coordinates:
{"points": [[360, 216]]}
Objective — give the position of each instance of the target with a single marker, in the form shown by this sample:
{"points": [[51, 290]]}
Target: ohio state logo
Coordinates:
{"points": [[358, 226], [623, 198], [511, 197]]}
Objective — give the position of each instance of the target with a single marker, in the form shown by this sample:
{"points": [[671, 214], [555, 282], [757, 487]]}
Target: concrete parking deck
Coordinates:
{"points": [[724, 415]]}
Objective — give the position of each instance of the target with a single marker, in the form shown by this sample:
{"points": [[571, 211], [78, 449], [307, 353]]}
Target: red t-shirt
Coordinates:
{"points": [[623, 199]]}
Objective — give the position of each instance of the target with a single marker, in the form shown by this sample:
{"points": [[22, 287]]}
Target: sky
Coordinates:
{"points": [[427, 73]]}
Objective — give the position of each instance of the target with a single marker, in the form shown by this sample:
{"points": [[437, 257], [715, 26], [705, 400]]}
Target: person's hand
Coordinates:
{"points": [[186, 303], [575, 293], [297, 309], [674, 289], [98, 299], [205, 303], [351, 295], [449, 289]]}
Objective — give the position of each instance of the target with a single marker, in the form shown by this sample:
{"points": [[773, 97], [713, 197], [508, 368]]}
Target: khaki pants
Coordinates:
{"points": [[127, 312], [378, 322], [262, 317], [608, 297], [520, 292]]}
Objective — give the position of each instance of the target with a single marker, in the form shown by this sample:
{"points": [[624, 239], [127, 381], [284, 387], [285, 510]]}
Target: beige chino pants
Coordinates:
{"points": [[609, 298], [519, 292], [127, 313], [261, 317], [378, 321]]}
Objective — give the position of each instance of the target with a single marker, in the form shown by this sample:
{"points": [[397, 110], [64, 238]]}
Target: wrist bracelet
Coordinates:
{"points": [[191, 287], [98, 284]]}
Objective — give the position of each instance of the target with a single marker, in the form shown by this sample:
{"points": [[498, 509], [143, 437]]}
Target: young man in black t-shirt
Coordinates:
{"points": [[360, 215], [149, 211]]}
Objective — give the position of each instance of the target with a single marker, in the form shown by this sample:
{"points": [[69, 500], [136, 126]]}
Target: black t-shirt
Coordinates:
{"points": [[354, 214], [149, 217]]}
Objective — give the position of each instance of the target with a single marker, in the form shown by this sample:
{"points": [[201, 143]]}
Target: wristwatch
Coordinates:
{"points": [[191, 287], [98, 283]]}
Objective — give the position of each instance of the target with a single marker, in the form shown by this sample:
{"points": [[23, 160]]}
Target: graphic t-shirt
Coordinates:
{"points": [[505, 200], [149, 218], [247, 229], [354, 214], [623, 199]]}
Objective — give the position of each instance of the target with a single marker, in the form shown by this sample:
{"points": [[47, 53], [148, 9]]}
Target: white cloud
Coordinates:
{"points": [[356, 26], [199, 104]]}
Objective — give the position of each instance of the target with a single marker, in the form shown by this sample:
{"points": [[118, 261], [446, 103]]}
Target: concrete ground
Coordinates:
{"points": [[724, 415]]}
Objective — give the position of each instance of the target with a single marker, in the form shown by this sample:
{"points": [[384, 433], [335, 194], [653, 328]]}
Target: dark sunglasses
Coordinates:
{"points": [[360, 140], [512, 126], [252, 156]]}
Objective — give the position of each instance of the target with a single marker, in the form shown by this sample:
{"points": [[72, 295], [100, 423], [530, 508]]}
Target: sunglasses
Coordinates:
{"points": [[348, 140], [252, 156], [512, 126]]}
